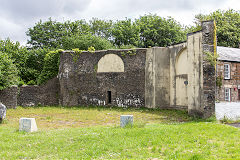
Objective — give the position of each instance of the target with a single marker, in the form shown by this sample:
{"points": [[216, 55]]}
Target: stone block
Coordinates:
{"points": [[27, 124], [3, 111], [126, 120]]}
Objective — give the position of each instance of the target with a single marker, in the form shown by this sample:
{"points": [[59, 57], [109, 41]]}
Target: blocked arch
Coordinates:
{"points": [[110, 63], [181, 61], [182, 78]]}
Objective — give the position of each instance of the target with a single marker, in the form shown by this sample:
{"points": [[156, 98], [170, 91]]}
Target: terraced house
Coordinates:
{"points": [[228, 74]]}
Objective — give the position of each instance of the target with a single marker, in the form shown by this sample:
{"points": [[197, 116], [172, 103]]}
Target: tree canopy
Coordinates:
{"points": [[147, 30], [228, 26], [158, 31]]}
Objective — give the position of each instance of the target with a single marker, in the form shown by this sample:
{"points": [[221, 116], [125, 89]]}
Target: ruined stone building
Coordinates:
{"points": [[228, 74], [174, 77]]}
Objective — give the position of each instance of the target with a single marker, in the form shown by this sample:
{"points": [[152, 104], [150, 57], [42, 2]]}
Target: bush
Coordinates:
{"points": [[31, 82], [83, 42], [21, 83]]}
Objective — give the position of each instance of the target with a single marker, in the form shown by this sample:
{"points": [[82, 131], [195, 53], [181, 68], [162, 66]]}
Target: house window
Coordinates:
{"points": [[227, 71], [227, 94]]}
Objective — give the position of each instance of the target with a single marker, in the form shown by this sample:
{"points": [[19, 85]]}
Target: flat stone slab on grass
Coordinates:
{"points": [[28, 125], [126, 120]]}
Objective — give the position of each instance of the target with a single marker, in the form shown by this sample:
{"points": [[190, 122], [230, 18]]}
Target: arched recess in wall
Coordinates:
{"points": [[110, 63], [181, 60], [182, 78]]}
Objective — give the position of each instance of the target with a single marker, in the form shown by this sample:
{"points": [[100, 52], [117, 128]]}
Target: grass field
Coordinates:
{"points": [[94, 133]]}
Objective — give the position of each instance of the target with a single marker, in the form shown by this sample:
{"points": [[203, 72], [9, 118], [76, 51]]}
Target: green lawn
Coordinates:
{"points": [[94, 133]]}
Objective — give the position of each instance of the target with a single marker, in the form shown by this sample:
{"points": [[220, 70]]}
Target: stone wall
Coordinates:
{"points": [[32, 95], [29, 95], [82, 84], [209, 74], [9, 97], [46, 94]]}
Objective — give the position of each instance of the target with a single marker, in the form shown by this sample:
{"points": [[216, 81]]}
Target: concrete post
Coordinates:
{"points": [[126, 120], [28, 125]]}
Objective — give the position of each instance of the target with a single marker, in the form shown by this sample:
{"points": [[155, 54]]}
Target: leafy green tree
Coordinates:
{"points": [[34, 64], [101, 28], [228, 26], [158, 31], [8, 72], [50, 34], [29, 62], [126, 32], [17, 53]]}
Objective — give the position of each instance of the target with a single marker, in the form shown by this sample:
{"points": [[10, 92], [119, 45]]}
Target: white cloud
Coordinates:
{"points": [[18, 15], [11, 30]]}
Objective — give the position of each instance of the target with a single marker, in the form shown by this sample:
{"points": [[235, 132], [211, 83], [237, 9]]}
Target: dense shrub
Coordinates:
{"points": [[83, 42]]}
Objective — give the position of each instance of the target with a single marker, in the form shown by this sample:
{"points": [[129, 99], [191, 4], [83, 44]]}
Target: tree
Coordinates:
{"points": [[50, 34], [125, 32], [34, 64], [8, 72], [158, 31], [29, 62], [101, 28], [228, 26], [17, 53]]}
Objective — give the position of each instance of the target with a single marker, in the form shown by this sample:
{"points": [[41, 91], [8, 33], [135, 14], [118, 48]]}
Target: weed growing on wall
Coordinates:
{"points": [[215, 42], [77, 52], [211, 58], [129, 52], [219, 81]]}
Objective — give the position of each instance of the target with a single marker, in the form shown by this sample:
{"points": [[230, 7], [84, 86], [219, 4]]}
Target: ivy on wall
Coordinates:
{"points": [[215, 44], [51, 66]]}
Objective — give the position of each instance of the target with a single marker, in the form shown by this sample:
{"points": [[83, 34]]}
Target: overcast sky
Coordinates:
{"points": [[16, 16]]}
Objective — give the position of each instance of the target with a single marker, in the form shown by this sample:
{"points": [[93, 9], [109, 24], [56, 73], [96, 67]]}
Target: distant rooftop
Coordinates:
{"points": [[228, 54]]}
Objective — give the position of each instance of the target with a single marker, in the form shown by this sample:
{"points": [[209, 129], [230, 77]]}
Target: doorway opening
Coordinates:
{"points": [[109, 97], [239, 94]]}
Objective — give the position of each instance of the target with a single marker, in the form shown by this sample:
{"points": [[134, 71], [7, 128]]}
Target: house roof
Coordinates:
{"points": [[228, 54]]}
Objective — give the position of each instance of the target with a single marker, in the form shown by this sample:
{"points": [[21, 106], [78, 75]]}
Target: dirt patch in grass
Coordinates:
{"points": [[73, 117]]}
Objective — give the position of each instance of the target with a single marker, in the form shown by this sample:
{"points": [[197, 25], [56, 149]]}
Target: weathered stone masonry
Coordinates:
{"points": [[174, 77], [47, 94], [82, 84]]}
